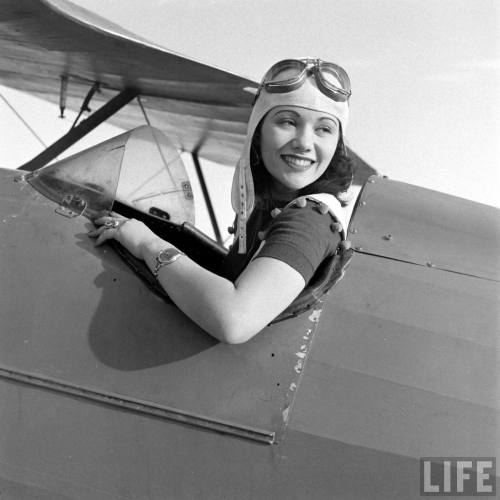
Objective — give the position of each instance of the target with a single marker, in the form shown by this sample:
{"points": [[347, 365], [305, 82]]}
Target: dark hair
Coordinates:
{"points": [[334, 180]]}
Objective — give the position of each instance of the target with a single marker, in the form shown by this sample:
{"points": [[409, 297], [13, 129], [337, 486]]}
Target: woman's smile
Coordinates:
{"points": [[297, 145], [297, 162]]}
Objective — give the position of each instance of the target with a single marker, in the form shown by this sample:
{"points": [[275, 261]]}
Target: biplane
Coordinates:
{"points": [[109, 392]]}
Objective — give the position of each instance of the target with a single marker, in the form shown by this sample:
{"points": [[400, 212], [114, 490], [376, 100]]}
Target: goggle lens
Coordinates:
{"points": [[284, 72], [333, 78]]}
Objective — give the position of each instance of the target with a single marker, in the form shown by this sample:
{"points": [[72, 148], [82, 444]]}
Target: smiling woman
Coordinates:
{"points": [[288, 190], [297, 145]]}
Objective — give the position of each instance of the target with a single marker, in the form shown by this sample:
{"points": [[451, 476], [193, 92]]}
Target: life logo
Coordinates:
{"points": [[458, 476]]}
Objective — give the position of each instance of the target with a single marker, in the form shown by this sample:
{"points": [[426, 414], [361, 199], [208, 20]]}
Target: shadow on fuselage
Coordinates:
{"points": [[132, 328]]}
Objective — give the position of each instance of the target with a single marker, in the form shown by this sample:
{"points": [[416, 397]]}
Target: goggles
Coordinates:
{"points": [[290, 74]]}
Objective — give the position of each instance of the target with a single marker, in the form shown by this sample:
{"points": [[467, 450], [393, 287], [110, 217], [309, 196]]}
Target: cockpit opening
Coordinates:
{"points": [[140, 174]]}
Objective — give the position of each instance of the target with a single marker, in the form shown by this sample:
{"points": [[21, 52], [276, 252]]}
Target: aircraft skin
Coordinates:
{"points": [[399, 362], [108, 392]]}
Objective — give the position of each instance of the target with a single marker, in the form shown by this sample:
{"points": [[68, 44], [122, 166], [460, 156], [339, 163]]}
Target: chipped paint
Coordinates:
{"points": [[285, 413], [20, 178], [302, 351], [314, 317]]}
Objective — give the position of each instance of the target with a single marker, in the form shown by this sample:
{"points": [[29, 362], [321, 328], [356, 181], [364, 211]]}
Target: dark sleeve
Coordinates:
{"points": [[302, 238]]}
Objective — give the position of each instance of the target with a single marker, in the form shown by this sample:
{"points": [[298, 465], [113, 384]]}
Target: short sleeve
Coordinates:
{"points": [[302, 238]]}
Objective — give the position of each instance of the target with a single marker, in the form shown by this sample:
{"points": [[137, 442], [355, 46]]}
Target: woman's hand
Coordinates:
{"points": [[131, 233]]}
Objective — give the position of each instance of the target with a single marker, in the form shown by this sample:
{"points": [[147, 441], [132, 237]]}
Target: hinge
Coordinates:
{"points": [[71, 206]]}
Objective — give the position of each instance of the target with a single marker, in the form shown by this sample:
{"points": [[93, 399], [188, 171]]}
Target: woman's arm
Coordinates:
{"points": [[232, 313]]}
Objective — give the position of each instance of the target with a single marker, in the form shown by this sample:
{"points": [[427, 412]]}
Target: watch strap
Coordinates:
{"points": [[165, 257]]}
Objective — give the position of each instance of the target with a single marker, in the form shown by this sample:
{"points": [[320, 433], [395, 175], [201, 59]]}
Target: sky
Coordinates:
{"points": [[425, 107]]}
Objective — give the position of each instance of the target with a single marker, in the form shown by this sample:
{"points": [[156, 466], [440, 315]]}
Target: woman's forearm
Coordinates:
{"points": [[232, 313], [208, 299]]}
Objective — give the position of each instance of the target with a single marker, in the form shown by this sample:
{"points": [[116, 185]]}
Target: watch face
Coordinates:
{"points": [[165, 255]]}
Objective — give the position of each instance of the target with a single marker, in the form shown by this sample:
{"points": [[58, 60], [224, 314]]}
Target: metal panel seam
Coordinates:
{"points": [[302, 356], [428, 265], [138, 405]]}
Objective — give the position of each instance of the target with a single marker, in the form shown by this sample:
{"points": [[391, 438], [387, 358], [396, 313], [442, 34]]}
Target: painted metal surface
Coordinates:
{"points": [[400, 363], [405, 222], [382, 385], [56, 447], [75, 314], [405, 361]]}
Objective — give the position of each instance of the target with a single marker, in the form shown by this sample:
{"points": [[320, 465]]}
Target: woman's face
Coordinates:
{"points": [[297, 145]]}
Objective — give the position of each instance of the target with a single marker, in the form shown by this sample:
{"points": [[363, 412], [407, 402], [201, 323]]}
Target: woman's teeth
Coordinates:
{"points": [[295, 162]]}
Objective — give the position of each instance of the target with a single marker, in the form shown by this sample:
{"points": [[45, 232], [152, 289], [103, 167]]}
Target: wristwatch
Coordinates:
{"points": [[165, 257]]}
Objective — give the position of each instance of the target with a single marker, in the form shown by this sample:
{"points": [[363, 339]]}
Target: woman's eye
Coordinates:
{"points": [[325, 130], [287, 122]]}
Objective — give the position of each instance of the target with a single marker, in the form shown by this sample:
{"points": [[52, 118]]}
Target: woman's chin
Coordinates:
{"points": [[288, 187]]}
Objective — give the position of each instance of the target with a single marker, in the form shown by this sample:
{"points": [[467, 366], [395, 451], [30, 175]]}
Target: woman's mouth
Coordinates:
{"points": [[296, 162]]}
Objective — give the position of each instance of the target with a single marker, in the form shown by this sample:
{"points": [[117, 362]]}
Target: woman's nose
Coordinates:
{"points": [[303, 140]]}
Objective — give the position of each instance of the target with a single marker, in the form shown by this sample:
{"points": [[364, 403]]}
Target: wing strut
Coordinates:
{"points": [[206, 195], [85, 105], [76, 133]]}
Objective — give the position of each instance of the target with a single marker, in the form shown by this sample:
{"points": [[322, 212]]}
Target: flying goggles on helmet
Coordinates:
{"points": [[290, 74]]}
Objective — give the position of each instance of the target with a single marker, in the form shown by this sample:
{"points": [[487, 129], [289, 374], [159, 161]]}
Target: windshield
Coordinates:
{"points": [[140, 168]]}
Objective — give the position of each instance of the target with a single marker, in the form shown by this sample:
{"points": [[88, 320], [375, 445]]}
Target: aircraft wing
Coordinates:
{"points": [[199, 107]]}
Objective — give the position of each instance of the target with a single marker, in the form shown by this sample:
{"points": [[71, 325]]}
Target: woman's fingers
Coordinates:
{"points": [[109, 220], [130, 233], [115, 215], [101, 238], [101, 234], [108, 227], [96, 232]]}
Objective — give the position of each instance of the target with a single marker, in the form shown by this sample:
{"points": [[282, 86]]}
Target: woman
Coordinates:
{"points": [[294, 147]]}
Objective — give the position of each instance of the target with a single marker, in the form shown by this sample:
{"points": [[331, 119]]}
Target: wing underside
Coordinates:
{"points": [[200, 108]]}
